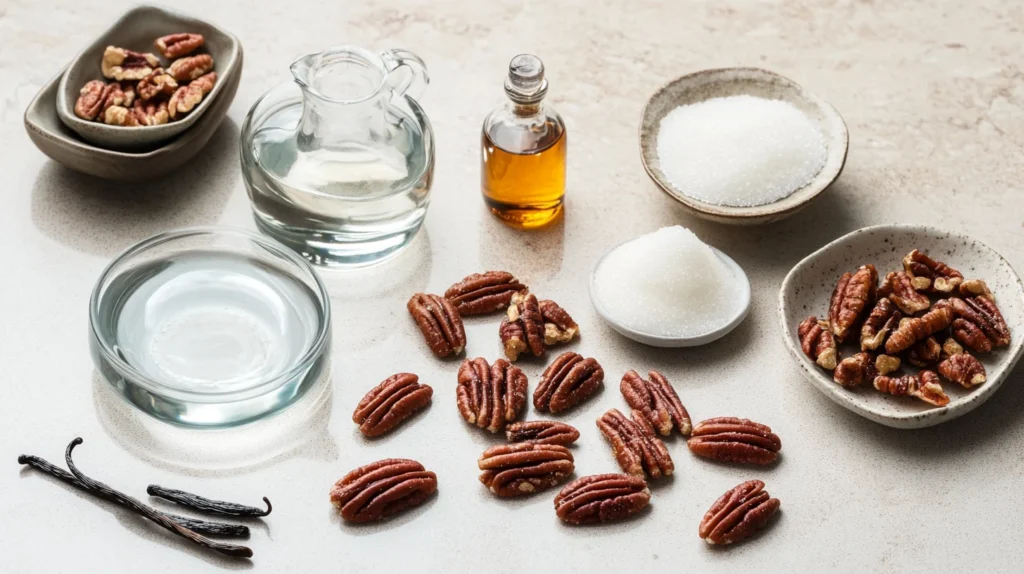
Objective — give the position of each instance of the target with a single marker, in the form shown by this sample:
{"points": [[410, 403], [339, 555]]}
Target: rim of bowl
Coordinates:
{"points": [[315, 350], [638, 335]]}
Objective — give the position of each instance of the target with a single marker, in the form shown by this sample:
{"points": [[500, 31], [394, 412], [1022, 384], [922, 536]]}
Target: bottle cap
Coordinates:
{"points": [[525, 83]]}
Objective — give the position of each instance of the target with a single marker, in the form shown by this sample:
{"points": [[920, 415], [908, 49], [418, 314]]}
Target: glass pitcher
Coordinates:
{"points": [[339, 164]]}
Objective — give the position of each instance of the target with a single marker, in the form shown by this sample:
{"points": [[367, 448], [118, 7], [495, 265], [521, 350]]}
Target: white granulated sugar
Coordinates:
{"points": [[739, 150], [667, 283]]}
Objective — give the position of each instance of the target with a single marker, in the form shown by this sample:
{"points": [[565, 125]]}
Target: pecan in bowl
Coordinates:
{"points": [[524, 468], [489, 396], [731, 439], [602, 498], [853, 295], [738, 514], [391, 402], [382, 489], [482, 293]]}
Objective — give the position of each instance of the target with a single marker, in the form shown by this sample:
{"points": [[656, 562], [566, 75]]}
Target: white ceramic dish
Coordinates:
{"points": [[808, 286], [676, 342]]}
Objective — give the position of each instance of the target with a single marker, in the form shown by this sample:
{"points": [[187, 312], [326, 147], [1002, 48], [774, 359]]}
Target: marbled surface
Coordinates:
{"points": [[932, 92]]}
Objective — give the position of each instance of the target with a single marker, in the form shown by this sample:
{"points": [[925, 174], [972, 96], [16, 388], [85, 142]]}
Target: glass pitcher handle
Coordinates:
{"points": [[407, 73]]}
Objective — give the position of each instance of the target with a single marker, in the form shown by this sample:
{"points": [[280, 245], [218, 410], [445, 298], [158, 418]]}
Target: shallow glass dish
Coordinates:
{"points": [[210, 327]]}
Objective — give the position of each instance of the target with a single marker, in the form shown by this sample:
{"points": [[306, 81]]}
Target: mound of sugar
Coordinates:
{"points": [[739, 150], [667, 283]]}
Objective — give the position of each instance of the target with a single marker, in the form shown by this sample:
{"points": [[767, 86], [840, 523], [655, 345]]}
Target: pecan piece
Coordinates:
{"points": [[157, 84], [980, 317], [120, 64], [976, 287], [817, 342], [602, 498], [120, 116], [190, 67], [524, 468], [382, 489], [925, 386], [730, 439], [925, 353], [490, 395], [656, 401], [963, 369], [523, 328], [388, 404], [951, 347], [542, 432], [885, 364], [904, 295], [569, 380], [482, 293], [174, 46], [926, 273], [855, 370], [852, 296], [738, 514], [881, 321], [91, 98], [559, 326], [120, 94], [913, 329], [638, 451], [439, 322], [151, 113]]}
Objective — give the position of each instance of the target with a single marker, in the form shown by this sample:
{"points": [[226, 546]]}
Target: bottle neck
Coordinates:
{"points": [[526, 110]]}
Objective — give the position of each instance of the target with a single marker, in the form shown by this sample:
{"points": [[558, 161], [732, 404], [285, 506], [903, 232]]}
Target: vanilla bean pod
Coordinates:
{"points": [[201, 504], [194, 524], [150, 513]]}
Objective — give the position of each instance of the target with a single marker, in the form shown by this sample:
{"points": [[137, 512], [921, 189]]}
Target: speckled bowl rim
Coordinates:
{"points": [[772, 211], [910, 419]]}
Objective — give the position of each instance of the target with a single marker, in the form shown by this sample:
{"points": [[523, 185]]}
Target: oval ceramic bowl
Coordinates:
{"points": [[707, 84], [137, 30], [677, 342], [808, 286]]}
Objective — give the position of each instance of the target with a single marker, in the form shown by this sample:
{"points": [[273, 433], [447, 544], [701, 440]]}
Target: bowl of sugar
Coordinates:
{"points": [[669, 289], [742, 146]]}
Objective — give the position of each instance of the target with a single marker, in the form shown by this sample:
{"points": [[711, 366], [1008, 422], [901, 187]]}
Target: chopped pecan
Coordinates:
{"points": [[524, 468], [980, 317], [151, 113], [925, 353], [120, 64], [174, 46], [904, 295], [120, 116], [976, 287], [656, 400], [482, 293], [963, 369], [391, 402], [882, 321], [637, 451], [926, 273], [738, 514], [885, 364], [382, 489], [91, 98], [925, 386], [523, 328], [157, 84], [569, 380], [601, 498], [950, 347], [439, 322], [855, 370], [853, 295], [490, 395], [817, 342], [559, 326], [912, 330], [730, 439], [190, 67], [542, 432]]}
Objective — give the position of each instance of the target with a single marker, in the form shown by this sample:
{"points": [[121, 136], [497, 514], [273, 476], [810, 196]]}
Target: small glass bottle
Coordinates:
{"points": [[523, 151]]}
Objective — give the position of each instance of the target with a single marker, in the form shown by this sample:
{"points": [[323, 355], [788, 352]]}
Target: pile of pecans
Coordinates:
{"points": [[927, 315], [536, 456], [144, 93]]}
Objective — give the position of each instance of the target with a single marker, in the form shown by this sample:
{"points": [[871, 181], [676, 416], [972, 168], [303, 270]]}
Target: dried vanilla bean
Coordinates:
{"points": [[201, 504]]}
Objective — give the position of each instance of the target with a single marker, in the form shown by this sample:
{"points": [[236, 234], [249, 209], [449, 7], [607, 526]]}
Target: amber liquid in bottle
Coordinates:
{"points": [[525, 188]]}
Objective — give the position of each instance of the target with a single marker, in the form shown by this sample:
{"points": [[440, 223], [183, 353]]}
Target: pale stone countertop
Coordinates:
{"points": [[933, 93]]}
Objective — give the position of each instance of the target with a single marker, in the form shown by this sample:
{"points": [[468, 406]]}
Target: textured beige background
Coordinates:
{"points": [[932, 92]]}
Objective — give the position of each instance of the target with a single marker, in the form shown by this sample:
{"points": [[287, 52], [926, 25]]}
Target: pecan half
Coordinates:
{"points": [[817, 342], [738, 514], [926, 273], [439, 322], [388, 404], [881, 321], [569, 380], [925, 353], [542, 432], [925, 386], [730, 439], [91, 98], [853, 295], [120, 64], [120, 94], [904, 295], [157, 84], [186, 98], [913, 329], [482, 293], [177, 45], [190, 67], [963, 369], [382, 489], [855, 370], [490, 395], [120, 116], [656, 400], [602, 498], [559, 326], [638, 452], [524, 468], [981, 320], [151, 113], [523, 328]]}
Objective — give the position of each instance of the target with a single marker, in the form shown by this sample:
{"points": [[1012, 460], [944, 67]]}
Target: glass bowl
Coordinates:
{"points": [[210, 327]]}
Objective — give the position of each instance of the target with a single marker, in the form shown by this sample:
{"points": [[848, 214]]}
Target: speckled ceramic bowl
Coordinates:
{"points": [[807, 288], [707, 84]]}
